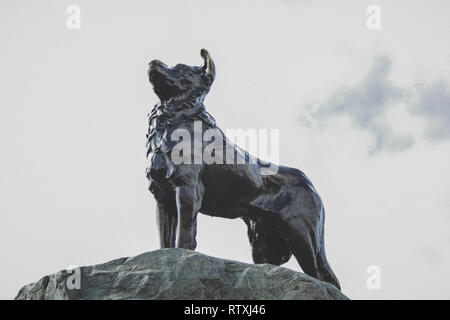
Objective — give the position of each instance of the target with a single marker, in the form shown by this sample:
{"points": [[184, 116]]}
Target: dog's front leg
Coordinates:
{"points": [[189, 199], [166, 218]]}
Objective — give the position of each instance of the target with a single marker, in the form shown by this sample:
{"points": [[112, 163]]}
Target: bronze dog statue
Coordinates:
{"points": [[283, 212]]}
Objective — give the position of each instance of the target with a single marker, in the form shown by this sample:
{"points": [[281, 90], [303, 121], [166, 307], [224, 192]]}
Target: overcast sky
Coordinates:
{"points": [[364, 113]]}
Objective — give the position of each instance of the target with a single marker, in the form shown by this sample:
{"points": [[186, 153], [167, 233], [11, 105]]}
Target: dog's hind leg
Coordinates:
{"points": [[268, 243], [166, 218], [189, 198], [302, 246], [308, 247]]}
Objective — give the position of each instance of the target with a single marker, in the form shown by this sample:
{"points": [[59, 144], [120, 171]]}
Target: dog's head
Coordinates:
{"points": [[182, 81]]}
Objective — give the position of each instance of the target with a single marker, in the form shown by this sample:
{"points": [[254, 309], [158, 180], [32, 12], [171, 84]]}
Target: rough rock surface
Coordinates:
{"points": [[180, 274]]}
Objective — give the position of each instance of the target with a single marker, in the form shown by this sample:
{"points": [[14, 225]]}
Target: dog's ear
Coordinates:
{"points": [[208, 65]]}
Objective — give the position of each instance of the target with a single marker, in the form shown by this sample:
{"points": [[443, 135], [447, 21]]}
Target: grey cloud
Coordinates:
{"points": [[432, 256], [433, 104], [367, 104]]}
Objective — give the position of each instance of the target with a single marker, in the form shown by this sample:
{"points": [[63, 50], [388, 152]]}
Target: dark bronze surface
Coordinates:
{"points": [[283, 212]]}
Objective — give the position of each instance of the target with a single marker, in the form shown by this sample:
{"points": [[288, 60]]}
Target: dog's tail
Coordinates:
{"points": [[325, 271]]}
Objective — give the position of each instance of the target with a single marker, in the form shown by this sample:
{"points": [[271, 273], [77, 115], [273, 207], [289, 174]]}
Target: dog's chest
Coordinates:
{"points": [[159, 125], [158, 146], [163, 121]]}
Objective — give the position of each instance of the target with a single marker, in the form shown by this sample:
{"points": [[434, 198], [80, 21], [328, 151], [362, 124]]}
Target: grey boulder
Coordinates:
{"points": [[179, 274]]}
